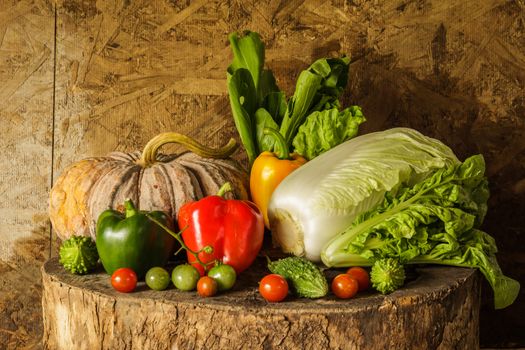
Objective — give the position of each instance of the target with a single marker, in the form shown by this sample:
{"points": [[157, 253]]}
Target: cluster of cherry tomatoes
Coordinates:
{"points": [[185, 277], [274, 287], [346, 285]]}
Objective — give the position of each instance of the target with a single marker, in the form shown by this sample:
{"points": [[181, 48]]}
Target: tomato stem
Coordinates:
{"points": [[207, 249]]}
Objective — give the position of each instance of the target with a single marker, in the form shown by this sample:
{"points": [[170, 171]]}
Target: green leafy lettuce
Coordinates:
{"points": [[326, 129], [435, 221], [318, 88]]}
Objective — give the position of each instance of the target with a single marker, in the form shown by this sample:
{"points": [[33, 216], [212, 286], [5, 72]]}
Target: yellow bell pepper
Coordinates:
{"points": [[268, 170]]}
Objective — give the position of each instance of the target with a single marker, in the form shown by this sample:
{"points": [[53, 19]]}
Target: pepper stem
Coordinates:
{"points": [[207, 249], [149, 154], [282, 151], [227, 187], [130, 208]]}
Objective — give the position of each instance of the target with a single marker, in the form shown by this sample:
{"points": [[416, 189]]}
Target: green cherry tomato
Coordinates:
{"points": [[185, 277], [157, 278], [224, 275]]}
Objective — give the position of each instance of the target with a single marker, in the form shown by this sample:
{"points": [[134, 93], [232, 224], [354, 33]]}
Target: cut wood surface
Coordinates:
{"points": [[437, 309]]}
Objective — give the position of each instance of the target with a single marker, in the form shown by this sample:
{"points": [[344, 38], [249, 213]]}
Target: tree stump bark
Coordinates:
{"points": [[437, 309]]}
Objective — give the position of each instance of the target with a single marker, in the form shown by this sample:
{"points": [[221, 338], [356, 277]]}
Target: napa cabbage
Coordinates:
{"points": [[323, 197]]}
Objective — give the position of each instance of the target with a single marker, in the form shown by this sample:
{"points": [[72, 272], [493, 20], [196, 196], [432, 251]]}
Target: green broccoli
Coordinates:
{"points": [[387, 275], [78, 254]]}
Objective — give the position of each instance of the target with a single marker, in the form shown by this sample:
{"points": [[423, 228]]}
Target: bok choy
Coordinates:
{"points": [[258, 104], [323, 197], [433, 222]]}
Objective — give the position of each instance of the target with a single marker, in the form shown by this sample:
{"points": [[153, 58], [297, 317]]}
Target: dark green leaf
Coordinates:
{"points": [[275, 104], [307, 86], [242, 94], [248, 53], [267, 85], [263, 119]]}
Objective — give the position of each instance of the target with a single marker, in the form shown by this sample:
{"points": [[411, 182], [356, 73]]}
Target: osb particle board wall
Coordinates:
{"points": [[26, 129], [81, 78]]}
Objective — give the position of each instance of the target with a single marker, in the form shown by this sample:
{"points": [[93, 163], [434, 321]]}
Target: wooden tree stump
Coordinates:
{"points": [[437, 309]]}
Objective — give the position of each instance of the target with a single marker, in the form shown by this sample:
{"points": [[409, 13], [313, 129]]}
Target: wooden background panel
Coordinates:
{"points": [[26, 114], [122, 81], [127, 70]]}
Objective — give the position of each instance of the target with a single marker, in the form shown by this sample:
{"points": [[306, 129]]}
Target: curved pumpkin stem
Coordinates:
{"points": [[149, 154]]}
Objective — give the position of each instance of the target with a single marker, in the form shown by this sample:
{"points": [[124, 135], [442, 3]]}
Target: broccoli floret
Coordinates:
{"points": [[79, 255], [387, 275]]}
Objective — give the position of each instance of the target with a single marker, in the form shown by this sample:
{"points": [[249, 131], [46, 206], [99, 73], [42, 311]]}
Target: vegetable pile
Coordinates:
{"points": [[381, 200], [280, 135]]}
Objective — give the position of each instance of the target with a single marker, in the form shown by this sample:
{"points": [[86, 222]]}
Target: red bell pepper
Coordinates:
{"points": [[233, 228]]}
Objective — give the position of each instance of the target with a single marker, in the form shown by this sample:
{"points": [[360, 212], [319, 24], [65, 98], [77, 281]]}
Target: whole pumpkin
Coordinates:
{"points": [[153, 181]]}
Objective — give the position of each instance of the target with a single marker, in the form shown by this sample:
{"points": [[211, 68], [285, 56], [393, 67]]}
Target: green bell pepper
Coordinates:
{"points": [[132, 240]]}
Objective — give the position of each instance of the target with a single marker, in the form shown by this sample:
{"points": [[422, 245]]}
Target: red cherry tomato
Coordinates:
{"points": [[273, 288], [207, 286], [361, 275], [344, 286], [124, 280]]}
